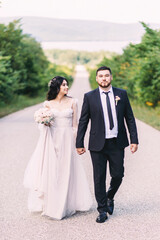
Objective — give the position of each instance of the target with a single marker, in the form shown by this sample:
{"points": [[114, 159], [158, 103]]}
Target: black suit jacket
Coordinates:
{"points": [[92, 110]]}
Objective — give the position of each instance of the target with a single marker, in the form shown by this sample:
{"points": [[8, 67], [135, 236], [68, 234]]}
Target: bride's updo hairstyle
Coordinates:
{"points": [[54, 87]]}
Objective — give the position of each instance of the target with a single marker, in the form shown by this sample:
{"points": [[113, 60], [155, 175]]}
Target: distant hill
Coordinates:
{"points": [[49, 30]]}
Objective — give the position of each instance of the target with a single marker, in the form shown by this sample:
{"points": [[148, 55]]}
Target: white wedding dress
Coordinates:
{"points": [[55, 175]]}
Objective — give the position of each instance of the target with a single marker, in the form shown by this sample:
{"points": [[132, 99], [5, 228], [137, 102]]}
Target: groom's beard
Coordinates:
{"points": [[104, 85]]}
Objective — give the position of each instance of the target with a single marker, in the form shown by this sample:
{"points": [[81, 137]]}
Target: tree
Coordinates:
{"points": [[138, 68], [22, 60]]}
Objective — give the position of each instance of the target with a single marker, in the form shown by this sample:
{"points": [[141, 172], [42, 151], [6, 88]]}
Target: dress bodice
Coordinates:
{"points": [[62, 118]]}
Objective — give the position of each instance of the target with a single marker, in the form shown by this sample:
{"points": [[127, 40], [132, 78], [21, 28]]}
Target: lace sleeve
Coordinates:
{"points": [[75, 115], [46, 104]]}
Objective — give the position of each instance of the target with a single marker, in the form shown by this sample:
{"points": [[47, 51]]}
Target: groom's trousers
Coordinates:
{"points": [[115, 157]]}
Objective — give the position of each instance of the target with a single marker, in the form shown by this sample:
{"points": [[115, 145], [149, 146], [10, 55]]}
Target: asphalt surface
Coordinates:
{"points": [[137, 203]]}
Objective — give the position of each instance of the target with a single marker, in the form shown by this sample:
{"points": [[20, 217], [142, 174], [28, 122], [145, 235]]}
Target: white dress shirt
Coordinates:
{"points": [[109, 133]]}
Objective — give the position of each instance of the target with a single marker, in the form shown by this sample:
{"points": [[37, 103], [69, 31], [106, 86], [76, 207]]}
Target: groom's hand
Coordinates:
{"points": [[81, 150], [133, 147]]}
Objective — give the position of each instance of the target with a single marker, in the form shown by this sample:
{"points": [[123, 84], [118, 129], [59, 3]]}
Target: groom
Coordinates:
{"points": [[107, 107]]}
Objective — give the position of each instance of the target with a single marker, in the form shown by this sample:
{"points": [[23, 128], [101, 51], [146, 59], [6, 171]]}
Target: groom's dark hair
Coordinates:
{"points": [[103, 68]]}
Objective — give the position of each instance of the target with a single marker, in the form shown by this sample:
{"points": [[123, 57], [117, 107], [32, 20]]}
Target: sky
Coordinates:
{"points": [[117, 11]]}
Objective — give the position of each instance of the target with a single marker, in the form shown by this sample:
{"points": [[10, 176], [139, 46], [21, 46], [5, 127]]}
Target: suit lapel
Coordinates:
{"points": [[116, 93], [99, 103]]}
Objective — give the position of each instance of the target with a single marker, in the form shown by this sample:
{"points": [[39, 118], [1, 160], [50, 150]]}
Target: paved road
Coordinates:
{"points": [[137, 204]]}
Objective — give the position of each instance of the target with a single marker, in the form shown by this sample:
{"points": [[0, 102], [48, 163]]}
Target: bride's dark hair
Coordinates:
{"points": [[54, 87]]}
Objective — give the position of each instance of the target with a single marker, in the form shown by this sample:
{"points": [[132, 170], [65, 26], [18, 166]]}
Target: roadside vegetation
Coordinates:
{"points": [[147, 114], [24, 69], [138, 71], [72, 57]]}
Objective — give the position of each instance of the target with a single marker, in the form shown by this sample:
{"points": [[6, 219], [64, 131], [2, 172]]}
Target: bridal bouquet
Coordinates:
{"points": [[43, 115]]}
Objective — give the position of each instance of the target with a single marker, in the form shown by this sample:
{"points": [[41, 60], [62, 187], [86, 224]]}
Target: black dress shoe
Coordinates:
{"points": [[102, 217], [110, 206]]}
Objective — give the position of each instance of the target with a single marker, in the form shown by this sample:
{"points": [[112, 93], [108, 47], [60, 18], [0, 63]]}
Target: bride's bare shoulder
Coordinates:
{"points": [[46, 104]]}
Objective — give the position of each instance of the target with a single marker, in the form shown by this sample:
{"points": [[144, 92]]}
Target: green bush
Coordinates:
{"points": [[138, 69], [24, 68]]}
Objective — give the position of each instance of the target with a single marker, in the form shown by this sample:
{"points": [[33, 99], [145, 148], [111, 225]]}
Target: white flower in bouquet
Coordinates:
{"points": [[43, 115]]}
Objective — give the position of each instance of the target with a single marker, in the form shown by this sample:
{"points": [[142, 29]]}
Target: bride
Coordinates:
{"points": [[54, 175]]}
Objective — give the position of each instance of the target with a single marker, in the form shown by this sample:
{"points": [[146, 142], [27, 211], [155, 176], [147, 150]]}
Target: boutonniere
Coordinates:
{"points": [[117, 98]]}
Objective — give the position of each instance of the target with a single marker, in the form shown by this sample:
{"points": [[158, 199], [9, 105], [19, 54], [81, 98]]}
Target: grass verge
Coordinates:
{"points": [[19, 103], [147, 114]]}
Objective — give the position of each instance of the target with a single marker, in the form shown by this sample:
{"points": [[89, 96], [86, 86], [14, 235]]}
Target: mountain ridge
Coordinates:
{"points": [[52, 29]]}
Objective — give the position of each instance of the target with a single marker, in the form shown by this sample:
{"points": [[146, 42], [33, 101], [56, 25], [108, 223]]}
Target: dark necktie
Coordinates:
{"points": [[111, 124]]}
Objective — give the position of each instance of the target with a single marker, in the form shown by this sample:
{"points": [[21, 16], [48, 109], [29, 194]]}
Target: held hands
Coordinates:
{"points": [[47, 124], [80, 151], [133, 147]]}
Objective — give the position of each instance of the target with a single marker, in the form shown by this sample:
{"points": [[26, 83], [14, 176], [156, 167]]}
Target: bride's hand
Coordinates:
{"points": [[81, 150], [47, 124]]}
